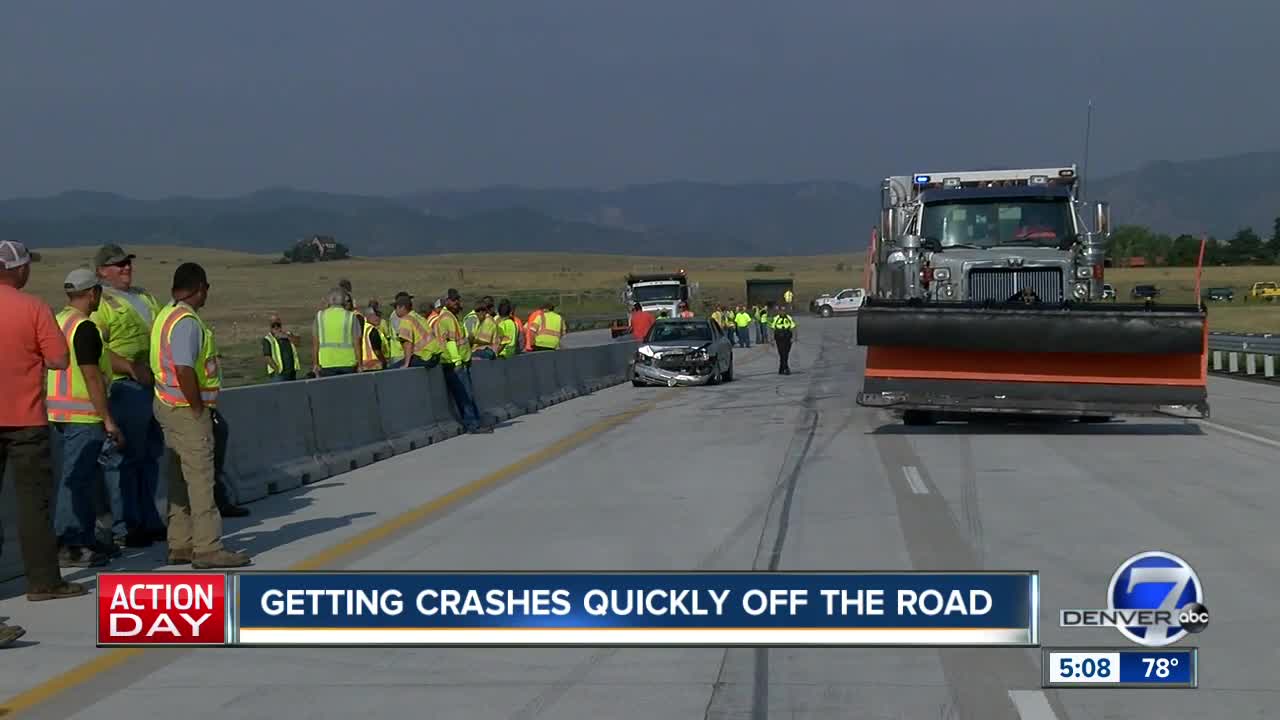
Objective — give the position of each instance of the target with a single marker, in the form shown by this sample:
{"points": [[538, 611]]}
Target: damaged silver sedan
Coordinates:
{"points": [[683, 352]]}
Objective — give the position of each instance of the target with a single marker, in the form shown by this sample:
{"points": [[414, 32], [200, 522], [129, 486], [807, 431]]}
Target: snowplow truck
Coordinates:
{"points": [[985, 292]]}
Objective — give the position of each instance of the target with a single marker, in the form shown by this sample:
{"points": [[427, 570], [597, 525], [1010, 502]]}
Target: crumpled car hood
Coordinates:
{"points": [[664, 349]]}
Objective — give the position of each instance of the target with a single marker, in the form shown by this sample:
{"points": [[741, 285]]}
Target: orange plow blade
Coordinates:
{"points": [[1102, 359]]}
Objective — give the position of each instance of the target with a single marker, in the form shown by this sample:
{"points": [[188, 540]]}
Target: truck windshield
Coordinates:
{"points": [[655, 293], [988, 223]]}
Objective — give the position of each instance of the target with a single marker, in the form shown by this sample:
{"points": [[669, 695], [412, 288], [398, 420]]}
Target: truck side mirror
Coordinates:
{"points": [[1102, 220]]}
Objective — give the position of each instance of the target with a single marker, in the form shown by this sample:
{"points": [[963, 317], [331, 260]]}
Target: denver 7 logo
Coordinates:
{"points": [[1160, 581]]}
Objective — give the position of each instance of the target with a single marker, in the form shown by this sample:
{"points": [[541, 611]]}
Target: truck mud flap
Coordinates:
{"points": [[1086, 359]]}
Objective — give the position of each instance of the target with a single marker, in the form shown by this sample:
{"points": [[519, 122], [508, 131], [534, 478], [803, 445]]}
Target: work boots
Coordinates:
{"points": [[207, 561]]}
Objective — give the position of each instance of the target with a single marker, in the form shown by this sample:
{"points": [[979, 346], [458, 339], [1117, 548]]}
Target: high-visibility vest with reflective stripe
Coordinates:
{"points": [[742, 319], [508, 337], [515, 320], [470, 321], [208, 373], [391, 339], [124, 331], [782, 322], [417, 330], [485, 335], [273, 342], [333, 332], [715, 318], [67, 393], [449, 330], [529, 326], [368, 358], [549, 329]]}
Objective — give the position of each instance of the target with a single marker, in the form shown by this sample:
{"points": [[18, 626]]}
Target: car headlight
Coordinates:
{"points": [[1081, 290], [1083, 272], [942, 273], [699, 356]]}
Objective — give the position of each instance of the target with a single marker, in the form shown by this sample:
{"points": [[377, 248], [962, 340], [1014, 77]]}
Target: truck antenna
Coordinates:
{"points": [[1084, 171]]}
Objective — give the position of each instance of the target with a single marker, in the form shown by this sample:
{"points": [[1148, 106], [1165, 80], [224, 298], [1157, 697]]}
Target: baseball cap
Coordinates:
{"points": [[13, 254], [111, 254], [81, 278]]}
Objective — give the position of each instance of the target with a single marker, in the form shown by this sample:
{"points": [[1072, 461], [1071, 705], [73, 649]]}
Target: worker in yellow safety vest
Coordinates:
{"points": [[515, 319], [508, 330], [283, 363], [484, 339], [390, 327], [547, 329], [784, 328], [188, 379], [132, 475], [417, 341], [373, 346], [336, 341], [76, 403], [457, 375], [742, 323]]}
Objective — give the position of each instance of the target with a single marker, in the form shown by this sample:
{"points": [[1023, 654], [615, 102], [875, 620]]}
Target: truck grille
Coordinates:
{"points": [[999, 284]]}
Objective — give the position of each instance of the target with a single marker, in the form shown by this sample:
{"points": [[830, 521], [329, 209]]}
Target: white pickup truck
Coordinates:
{"points": [[847, 300]]}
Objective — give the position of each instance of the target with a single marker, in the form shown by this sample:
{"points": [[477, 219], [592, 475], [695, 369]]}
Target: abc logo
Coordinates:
{"points": [[1159, 581], [1194, 618]]}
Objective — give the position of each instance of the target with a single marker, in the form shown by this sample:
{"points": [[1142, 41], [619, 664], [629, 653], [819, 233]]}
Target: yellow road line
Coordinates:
{"points": [[114, 658]]}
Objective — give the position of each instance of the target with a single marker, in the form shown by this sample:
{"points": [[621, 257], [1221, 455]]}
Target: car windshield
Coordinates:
{"points": [[679, 332], [988, 223], [655, 293]]}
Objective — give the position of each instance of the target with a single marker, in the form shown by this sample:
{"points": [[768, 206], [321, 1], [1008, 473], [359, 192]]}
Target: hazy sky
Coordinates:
{"points": [[157, 98]]}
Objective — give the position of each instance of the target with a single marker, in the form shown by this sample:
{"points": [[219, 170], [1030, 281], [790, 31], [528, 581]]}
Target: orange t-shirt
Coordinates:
{"points": [[640, 323], [31, 339]]}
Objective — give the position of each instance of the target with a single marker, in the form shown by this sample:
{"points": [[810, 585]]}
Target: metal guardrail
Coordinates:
{"points": [[1227, 349]]}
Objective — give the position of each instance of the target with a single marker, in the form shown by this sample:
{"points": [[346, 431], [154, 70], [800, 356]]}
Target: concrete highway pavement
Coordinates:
{"points": [[766, 472]]}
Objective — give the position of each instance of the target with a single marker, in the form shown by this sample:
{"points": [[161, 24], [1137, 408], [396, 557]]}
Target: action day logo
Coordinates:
{"points": [[1155, 598]]}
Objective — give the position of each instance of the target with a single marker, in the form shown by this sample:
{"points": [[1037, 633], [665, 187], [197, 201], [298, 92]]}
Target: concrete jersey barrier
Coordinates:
{"points": [[285, 435]]}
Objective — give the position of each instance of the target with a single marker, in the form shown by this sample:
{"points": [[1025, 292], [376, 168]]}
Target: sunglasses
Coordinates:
{"points": [[122, 264]]}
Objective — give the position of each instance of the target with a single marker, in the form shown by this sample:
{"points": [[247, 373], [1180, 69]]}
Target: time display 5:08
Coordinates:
{"points": [[1085, 667]]}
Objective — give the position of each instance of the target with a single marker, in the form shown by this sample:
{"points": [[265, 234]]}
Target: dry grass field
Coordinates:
{"points": [[247, 288]]}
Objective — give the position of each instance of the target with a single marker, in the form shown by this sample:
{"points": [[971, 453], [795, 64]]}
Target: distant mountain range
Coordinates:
{"points": [[1218, 196]]}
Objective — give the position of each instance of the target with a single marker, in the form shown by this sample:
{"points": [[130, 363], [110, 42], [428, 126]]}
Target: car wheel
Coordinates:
{"points": [[827, 311], [728, 374]]}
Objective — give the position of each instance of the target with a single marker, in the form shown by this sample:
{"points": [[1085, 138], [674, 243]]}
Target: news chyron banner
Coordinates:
{"points": [[569, 609]]}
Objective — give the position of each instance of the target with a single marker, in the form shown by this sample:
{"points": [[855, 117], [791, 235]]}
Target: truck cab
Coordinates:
{"points": [[657, 293], [989, 236]]}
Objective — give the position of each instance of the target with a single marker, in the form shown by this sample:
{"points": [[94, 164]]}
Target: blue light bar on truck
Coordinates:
{"points": [[922, 179]]}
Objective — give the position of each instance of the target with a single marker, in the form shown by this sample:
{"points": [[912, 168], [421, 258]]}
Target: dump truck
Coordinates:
{"points": [[985, 292], [762, 291], [658, 293]]}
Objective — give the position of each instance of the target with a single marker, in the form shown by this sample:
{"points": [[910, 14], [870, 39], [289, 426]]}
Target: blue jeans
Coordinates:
{"points": [[458, 380], [744, 336], [133, 474], [73, 513]]}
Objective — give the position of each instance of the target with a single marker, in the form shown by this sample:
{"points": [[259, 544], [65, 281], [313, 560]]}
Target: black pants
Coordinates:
{"points": [[221, 434], [782, 339], [27, 450]]}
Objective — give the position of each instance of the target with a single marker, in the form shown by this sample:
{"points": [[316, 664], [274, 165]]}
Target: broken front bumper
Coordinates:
{"points": [[671, 377]]}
